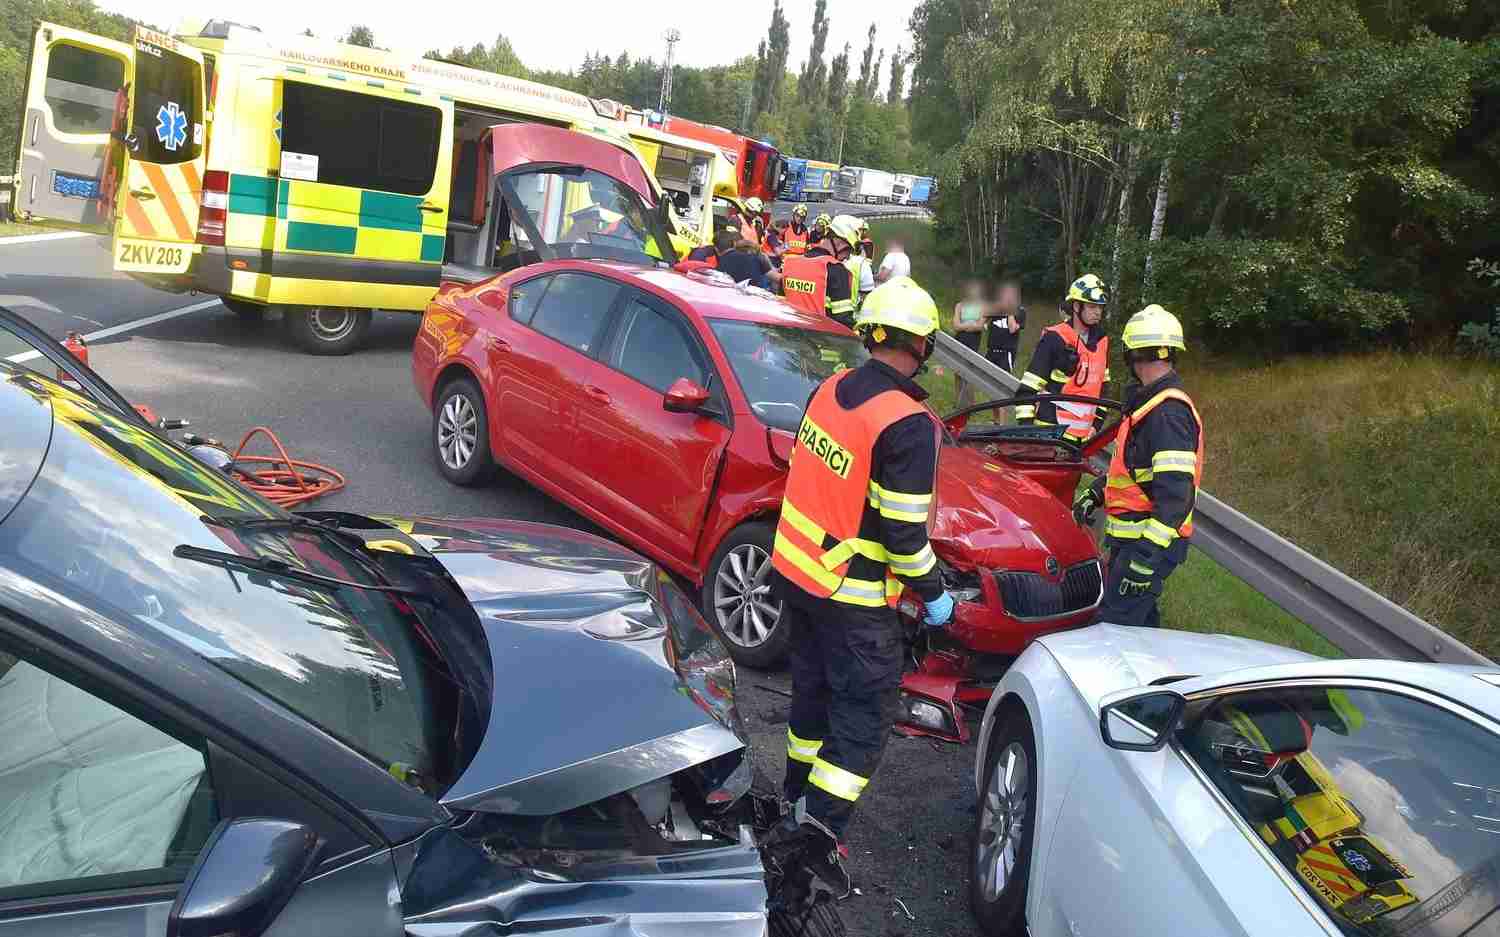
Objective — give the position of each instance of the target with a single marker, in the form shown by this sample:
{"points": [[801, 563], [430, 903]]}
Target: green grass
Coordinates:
{"points": [[1204, 596], [14, 228], [1385, 464]]}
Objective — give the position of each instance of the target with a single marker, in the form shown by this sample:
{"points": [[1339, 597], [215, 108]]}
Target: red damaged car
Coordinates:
{"points": [[662, 406]]}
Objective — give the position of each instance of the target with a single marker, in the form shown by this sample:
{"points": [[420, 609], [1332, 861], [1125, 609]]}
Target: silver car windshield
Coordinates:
{"points": [[778, 366], [100, 523]]}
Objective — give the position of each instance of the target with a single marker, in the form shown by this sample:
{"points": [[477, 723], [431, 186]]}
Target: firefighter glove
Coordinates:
{"points": [[1086, 504], [939, 610]]}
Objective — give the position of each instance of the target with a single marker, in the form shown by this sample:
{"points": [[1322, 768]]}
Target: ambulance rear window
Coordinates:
{"points": [[168, 111], [362, 140], [81, 87]]}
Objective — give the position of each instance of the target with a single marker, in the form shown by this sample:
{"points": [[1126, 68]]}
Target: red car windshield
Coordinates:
{"points": [[584, 214], [778, 366]]}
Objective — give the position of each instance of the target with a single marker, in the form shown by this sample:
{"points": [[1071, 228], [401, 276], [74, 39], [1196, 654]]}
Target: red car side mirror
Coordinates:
{"points": [[684, 396]]}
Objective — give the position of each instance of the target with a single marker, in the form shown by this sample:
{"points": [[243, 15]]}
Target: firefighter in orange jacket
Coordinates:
{"points": [[1153, 477], [1071, 357], [818, 281], [852, 535], [795, 236]]}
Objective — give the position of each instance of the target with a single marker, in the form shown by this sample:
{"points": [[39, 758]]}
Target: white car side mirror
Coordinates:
{"points": [[1141, 720]]}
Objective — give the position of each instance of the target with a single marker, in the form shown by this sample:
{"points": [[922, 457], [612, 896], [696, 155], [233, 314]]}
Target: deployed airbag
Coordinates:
{"points": [[85, 789]]}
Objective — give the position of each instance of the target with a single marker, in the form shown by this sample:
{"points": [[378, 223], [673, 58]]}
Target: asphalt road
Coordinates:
{"points": [[360, 415]]}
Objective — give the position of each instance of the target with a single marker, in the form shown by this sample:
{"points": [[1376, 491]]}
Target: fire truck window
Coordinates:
{"points": [[1385, 808], [167, 115], [360, 140], [81, 87]]}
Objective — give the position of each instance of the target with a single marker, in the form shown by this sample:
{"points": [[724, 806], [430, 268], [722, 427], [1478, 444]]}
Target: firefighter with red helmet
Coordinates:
{"points": [[852, 536], [1153, 477]]}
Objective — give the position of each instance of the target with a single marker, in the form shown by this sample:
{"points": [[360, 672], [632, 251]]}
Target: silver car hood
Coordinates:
{"points": [[1105, 658], [588, 698]]}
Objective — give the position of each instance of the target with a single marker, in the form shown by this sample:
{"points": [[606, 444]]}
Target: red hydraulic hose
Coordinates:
{"points": [[284, 480]]}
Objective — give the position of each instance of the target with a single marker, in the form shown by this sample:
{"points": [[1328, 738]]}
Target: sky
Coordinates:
{"points": [[544, 42]]}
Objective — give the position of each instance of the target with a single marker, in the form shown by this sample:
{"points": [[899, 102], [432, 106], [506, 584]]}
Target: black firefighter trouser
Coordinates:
{"points": [[1140, 609], [846, 666]]}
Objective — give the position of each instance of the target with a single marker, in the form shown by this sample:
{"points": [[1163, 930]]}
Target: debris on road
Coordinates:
{"points": [[904, 910]]}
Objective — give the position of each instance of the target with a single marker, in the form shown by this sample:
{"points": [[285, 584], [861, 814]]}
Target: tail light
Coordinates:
{"points": [[213, 210]]}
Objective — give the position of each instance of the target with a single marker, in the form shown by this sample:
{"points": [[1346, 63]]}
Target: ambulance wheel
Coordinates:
{"points": [[736, 598], [1004, 827], [328, 330], [244, 310], [461, 434]]}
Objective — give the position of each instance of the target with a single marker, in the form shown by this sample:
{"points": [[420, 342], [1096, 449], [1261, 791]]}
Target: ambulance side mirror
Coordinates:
{"points": [[684, 396]]}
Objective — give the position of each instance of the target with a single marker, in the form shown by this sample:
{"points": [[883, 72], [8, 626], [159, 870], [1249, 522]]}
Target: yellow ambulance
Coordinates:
{"points": [[322, 179], [685, 169]]}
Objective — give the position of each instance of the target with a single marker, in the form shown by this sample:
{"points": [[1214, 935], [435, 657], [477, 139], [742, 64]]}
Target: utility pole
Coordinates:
{"points": [[843, 130], [672, 36]]}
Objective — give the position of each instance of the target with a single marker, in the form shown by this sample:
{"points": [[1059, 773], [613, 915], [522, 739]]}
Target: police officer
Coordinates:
{"points": [[818, 281], [795, 236], [1071, 357], [1153, 477], [852, 536]]}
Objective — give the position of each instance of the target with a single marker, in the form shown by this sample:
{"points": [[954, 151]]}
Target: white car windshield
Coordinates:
{"points": [[778, 366]]}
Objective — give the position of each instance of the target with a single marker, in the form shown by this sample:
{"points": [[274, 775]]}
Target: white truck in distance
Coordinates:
{"points": [[856, 184], [901, 188]]}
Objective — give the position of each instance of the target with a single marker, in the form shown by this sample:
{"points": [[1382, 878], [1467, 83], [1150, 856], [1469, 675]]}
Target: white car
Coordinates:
{"points": [[1137, 781]]}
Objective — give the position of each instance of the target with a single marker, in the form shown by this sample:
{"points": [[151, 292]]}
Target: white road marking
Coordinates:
{"points": [[49, 236], [123, 327]]}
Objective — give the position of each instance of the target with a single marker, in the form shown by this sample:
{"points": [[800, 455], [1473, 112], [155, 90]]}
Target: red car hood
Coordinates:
{"points": [[995, 517]]}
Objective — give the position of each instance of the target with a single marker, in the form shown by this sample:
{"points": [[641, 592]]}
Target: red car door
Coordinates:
{"points": [[651, 470], [540, 365]]}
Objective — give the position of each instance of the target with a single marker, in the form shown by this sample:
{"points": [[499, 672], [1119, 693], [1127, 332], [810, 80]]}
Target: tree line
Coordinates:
{"points": [[821, 111], [1300, 173]]}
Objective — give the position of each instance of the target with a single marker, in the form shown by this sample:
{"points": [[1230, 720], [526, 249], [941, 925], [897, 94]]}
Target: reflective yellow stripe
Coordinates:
{"points": [[1140, 475], [1117, 482], [802, 524], [1106, 375], [1143, 570], [1158, 533], [1034, 381], [860, 592], [793, 554], [1175, 460], [847, 549], [902, 499], [1122, 529], [835, 780], [836, 306], [1059, 377], [1025, 411], [803, 750], [914, 564], [911, 517]]}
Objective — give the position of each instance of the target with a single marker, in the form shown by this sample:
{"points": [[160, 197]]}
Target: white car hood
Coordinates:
{"points": [[1105, 658]]}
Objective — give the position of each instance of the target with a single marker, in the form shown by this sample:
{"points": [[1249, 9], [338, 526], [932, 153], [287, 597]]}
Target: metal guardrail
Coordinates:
{"points": [[1355, 618]]}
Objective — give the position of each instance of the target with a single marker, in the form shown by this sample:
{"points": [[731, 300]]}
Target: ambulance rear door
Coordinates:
{"points": [[164, 145], [74, 91]]}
